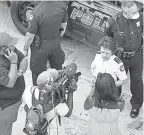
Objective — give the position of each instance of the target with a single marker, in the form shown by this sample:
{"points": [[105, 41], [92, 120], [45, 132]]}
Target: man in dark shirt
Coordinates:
{"points": [[12, 66], [127, 30], [44, 36]]}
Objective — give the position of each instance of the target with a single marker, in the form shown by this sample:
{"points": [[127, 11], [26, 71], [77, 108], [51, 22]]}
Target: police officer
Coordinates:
{"points": [[126, 28], [106, 62], [48, 23]]}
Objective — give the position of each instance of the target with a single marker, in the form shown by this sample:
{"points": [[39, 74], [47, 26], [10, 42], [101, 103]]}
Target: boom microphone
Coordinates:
{"points": [[46, 76]]}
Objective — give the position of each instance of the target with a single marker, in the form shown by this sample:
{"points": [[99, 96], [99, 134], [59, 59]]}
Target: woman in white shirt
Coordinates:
{"points": [[106, 62]]}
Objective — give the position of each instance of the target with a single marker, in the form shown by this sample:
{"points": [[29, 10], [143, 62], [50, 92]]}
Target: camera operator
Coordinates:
{"points": [[12, 66], [54, 111]]}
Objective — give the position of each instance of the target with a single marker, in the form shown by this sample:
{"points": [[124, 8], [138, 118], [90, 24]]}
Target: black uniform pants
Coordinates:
{"points": [[135, 66], [39, 58]]}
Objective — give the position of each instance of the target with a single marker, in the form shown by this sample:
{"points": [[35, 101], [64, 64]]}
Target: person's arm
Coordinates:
{"points": [[28, 40], [121, 103], [121, 74], [23, 65], [12, 57], [69, 103], [120, 83], [89, 102], [23, 62], [108, 27], [31, 33], [94, 66], [64, 24]]}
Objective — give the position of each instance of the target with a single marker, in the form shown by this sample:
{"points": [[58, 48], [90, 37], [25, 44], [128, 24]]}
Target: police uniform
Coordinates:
{"points": [[113, 66], [128, 35], [45, 22]]}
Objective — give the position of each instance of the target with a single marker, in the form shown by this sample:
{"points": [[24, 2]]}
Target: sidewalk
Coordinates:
{"points": [[82, 55]]}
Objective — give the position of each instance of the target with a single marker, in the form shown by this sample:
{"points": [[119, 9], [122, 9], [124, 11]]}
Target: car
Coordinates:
{"points": [[86, 21]]}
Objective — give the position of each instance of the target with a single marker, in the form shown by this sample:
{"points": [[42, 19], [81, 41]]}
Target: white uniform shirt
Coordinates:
{"points": [[113, 66]]}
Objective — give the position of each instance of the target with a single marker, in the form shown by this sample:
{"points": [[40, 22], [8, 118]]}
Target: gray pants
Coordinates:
{"points": [[7, 117]]}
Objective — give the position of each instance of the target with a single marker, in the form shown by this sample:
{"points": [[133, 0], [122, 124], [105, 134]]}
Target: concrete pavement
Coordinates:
{"points": [[82, 55]]}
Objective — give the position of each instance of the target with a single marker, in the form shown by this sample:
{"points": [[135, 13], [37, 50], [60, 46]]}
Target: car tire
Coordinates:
{"points": [[18, 9]]}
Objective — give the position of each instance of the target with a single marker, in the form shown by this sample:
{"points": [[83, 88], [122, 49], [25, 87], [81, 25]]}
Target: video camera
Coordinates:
{"points": [[36, 122]]}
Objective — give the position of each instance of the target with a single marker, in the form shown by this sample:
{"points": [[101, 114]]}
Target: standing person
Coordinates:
{"points": [[48, 24], [126, 29], [106, 62], [104, 107], [13, 65]]}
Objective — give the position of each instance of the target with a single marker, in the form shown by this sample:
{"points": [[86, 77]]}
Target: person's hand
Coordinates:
{"points": [[25, 52], [73, 86], [62, 33], [19, 74], [93, 80], [12, 56]]}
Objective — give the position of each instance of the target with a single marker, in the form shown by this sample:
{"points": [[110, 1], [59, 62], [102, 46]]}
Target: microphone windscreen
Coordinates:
{"points": [[45, 75], [70, 70]]}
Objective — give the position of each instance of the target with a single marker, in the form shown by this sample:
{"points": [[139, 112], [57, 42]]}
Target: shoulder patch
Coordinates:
{"points": [[117, 60], [29, 15], [122, 68]]}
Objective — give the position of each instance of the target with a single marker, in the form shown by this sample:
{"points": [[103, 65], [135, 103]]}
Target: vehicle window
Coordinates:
{"points": [[116, 3]]}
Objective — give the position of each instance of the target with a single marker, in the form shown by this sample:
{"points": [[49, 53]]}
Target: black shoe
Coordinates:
{"points": [[134, 113]]}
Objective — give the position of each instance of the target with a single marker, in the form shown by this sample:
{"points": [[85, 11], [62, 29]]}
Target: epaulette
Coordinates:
{"points": [[117, 60]]}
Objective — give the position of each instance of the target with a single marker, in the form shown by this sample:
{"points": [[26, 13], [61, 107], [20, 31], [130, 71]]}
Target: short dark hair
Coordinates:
{"points": [[107, 42], [105, 88]]}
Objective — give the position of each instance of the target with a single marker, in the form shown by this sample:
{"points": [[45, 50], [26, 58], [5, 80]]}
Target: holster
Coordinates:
{"points": [[37, 41]]}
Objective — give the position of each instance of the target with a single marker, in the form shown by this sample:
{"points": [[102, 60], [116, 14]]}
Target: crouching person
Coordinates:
{"points": [[12, 66], [49, 105]]}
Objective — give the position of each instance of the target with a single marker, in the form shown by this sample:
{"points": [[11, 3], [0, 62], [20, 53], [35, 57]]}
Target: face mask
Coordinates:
{"points": [[136, 16], [131, 16]]}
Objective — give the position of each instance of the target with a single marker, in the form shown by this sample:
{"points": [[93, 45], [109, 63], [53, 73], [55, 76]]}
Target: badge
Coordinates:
{"points": [[121, 68], [138, 24]]}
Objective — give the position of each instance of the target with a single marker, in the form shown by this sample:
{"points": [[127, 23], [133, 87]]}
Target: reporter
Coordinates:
{"points": [[104, 107], [13, 65]]}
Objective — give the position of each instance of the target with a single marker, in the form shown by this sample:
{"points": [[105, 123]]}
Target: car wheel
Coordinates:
{"points": [[20, 12]]}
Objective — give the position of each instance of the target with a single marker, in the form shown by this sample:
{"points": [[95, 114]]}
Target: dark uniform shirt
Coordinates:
{"points": [[47, 18], [126, 32], [9, 96]]}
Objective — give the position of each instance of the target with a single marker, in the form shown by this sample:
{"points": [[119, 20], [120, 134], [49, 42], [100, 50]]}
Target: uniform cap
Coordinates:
{"points": [[6, 39]]}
